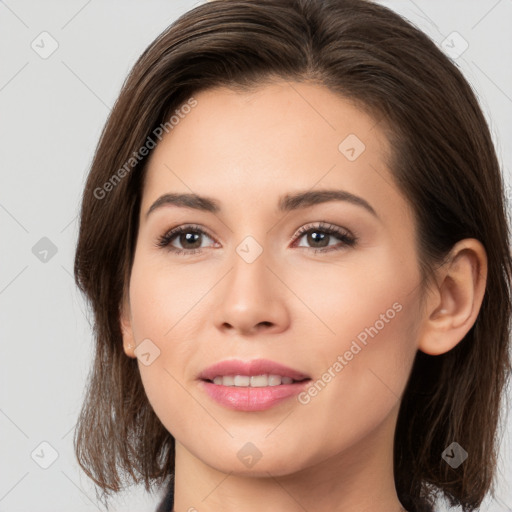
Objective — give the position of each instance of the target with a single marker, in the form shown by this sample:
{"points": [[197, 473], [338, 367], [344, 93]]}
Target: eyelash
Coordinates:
{"points": [[347, 239]]}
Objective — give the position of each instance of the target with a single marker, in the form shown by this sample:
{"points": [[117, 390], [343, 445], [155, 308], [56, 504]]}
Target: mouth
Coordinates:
{"points": [[253, 385], [253, 381]]}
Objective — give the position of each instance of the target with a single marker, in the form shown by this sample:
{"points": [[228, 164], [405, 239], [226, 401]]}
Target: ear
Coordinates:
{"points": [[454, 302], [125, 321]]}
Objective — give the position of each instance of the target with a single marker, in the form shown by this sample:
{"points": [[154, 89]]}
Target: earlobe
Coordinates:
{"points": [[453, 307]]}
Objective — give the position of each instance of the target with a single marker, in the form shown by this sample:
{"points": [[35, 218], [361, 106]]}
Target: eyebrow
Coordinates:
{"points": [[287, 203]]}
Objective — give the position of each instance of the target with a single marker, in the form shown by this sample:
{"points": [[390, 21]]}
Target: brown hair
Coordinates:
{"points": [[443, 161]]}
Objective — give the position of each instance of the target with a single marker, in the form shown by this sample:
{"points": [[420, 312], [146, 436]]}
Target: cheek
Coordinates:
{"points": [[362, 369], [161, 296], [367, 343], [369, 294], [160, 300]]}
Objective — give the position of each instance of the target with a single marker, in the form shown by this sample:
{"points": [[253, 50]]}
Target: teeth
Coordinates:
{"points": [[257, 381], [242, 380]]}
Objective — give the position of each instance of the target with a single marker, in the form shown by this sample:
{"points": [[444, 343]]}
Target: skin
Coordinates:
{"points": [[290, 305]]}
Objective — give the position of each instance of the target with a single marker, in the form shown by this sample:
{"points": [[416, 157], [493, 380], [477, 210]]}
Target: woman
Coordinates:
{"points": [[336, 335]]}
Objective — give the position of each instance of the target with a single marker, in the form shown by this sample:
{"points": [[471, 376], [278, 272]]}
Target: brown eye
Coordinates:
{"points": [[319, 237], [189, 237]]}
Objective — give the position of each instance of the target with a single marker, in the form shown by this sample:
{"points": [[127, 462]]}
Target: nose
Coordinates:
{"points": [[251, 298]]}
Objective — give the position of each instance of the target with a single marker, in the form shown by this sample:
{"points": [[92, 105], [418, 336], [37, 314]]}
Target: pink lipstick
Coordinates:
{"points": [[254, 385]]}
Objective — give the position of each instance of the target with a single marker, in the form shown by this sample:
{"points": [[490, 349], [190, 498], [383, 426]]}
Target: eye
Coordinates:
{"points": [[190, 237], [320, 234]]}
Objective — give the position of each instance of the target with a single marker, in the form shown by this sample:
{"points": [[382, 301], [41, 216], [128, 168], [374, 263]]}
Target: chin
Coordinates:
{"points": [[278, 463]]}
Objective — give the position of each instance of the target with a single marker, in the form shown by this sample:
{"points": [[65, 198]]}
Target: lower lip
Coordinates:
{"points": [[252, 399]]}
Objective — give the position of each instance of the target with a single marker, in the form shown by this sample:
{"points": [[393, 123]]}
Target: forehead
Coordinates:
{"points": [[248, 147], [284, 116]]}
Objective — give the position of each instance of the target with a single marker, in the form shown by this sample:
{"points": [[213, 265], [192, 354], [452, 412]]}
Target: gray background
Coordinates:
{"points": [[52, 111]]}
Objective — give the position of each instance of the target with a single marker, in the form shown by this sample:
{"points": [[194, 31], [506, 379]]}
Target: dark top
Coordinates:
{"points": [[167, 504]]}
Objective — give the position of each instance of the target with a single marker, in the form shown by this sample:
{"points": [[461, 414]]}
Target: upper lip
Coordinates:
{"points": [[251, 368]]}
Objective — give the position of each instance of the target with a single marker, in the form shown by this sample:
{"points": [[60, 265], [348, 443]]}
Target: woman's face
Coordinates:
{"points": [[268, 280]]}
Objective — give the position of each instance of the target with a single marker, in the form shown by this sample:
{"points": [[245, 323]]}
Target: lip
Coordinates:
{"points": [[249, 398], [252, 399], [251, 368]]}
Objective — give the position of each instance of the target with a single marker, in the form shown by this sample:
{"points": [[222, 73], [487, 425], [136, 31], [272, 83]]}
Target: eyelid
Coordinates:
{"points": [[322, 225]]}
